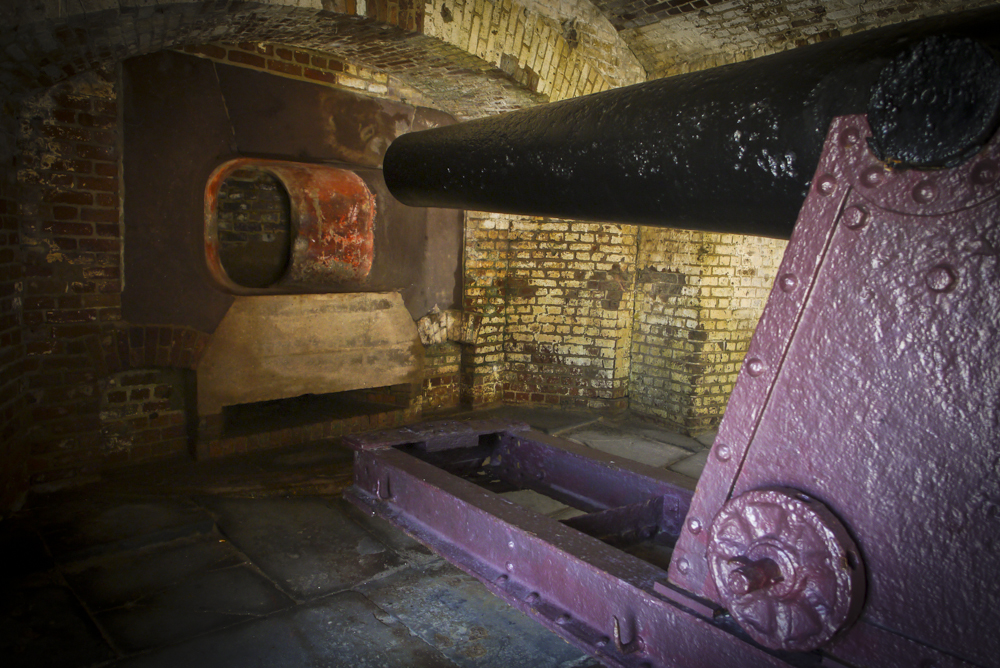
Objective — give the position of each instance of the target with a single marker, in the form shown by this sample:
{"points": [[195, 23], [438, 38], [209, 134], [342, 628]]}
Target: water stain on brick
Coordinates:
{"points": [[661, 285]]}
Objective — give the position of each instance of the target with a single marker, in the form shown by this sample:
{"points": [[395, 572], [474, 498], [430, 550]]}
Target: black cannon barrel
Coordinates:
{"points": [[732, 149]]}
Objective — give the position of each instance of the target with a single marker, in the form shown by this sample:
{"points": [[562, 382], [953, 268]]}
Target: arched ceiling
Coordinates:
{"points": [[673, 36], [471, 57]]}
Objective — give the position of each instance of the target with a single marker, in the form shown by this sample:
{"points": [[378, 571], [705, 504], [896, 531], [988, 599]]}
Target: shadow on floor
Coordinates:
{"points": [[256, 561]]}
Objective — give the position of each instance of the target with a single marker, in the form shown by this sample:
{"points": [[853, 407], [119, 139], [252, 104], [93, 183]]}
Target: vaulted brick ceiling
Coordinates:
{"points": [[671, 36]]}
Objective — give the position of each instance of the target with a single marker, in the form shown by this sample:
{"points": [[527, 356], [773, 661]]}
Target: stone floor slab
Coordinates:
{"points": [[453, 612], [123, 578], [77, 526], [46, 626], [691, 466], [198, 604], [708, 438], [634, 424], [344, 630], [542, 504], [409, 549], [308, 546], [548, 420], [629, 446]]}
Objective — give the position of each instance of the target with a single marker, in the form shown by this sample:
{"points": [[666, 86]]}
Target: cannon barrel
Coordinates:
{"points": [[731, 149]]}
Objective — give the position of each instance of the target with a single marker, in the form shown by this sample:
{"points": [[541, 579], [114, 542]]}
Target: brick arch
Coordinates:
{"points": [[540, 52], [125, 347], [48, 48]]}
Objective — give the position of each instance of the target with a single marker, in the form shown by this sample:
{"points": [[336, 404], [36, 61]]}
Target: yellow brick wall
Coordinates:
{"points": [[531, 47], [484, 301], [569, 306], [698, 299]]}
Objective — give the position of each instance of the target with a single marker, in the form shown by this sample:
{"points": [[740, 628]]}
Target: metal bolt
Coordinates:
{"points": [[925, 192], [788, 282], [683, 565], [694, 525], [826, 185], [753, 575], [941, 278], [873, 177], [723, 452], [855, 217], [985, 172], [755, 366], [849, 137]]}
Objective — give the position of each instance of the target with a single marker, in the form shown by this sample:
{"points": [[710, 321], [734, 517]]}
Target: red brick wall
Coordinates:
{"points": [[67, 171], [143, 413], [13, 449]]}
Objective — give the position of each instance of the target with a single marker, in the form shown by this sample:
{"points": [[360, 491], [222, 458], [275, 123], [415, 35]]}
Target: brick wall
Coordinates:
{"points": [[13, 448], [143, 412], [543, 54], [604, 317], [441, 388], [424, 72], [675, 36], [78, 352], [68, 176], [254, 226], [553, 306], [569, 312], [49, 42], [485, 299], [307, 65], [698, 299]]}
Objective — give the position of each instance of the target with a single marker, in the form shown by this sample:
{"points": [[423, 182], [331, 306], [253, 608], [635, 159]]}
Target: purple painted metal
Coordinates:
{"points": [[785, 568], [595, 596], [872, 384]]}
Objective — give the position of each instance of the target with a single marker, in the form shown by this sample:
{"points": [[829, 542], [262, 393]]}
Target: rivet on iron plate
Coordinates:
{"points": [[788, 282], [723, 452], [683, 565], [941, 278], [694, 524], [855, 217], [873, 177], [755, 366], [925, 192], [985, 172], [510, 566], [850, 137], [826, 185]]}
